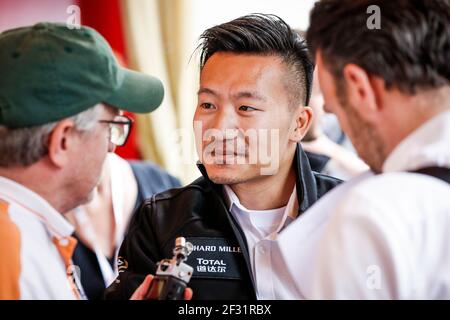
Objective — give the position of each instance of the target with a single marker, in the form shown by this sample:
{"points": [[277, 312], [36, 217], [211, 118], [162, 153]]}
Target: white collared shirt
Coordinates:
{"points": [[261, 228], [387, 236], [41, 239]]}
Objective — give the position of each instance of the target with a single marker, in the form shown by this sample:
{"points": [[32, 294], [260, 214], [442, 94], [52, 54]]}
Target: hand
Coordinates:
{"points": [[142, 291]]}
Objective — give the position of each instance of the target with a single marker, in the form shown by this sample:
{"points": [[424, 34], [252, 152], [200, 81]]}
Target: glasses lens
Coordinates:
{"points": [[119, 131], [117, 136]]}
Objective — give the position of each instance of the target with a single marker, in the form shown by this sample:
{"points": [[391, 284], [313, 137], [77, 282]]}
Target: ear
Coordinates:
{"points": [[363, 91], [60, 142], [303, 119]]}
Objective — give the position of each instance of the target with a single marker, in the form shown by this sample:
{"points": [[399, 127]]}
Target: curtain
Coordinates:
{"points": [[159, 42]]}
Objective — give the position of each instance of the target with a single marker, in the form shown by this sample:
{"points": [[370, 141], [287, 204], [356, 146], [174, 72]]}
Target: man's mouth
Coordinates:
{"points": [[224, 153]]}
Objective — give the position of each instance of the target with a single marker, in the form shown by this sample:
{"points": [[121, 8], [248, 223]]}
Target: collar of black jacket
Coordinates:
{"points": [[306, 181], [317, 161]]}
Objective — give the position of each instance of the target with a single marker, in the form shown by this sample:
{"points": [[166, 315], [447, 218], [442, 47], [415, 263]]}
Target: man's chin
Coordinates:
{"points": [[226, 180], [88, 198], [226, 174], [78, 202]]}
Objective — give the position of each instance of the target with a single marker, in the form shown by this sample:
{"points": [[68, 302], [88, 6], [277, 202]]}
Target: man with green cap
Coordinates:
{"points": [[61, 92]]}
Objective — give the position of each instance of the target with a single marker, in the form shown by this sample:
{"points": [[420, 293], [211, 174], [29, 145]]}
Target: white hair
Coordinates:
{"points": [[25, 146]]}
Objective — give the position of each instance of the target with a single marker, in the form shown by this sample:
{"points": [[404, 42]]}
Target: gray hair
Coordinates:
{"points": [[25, 146]]}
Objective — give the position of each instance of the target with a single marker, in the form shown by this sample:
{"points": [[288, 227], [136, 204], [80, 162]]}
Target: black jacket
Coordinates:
{"points": [[198, 212]]}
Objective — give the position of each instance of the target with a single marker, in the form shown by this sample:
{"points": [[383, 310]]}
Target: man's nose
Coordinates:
{"points": [[225, 119]]}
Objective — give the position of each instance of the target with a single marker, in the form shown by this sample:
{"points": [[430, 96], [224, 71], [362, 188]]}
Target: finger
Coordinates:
{"points": [[188, 294], [142, 290]]}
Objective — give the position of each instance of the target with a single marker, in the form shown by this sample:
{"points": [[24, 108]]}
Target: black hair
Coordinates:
{"points": [[410, 50], [263, 34]]}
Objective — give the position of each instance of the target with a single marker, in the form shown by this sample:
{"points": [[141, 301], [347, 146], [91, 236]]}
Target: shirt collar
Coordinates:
{"points": [[426, 146], [290, 213], [17, 194]]}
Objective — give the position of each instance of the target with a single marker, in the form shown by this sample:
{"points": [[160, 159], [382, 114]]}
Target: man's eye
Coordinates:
{"points": [[247, 108], [207, 106]]}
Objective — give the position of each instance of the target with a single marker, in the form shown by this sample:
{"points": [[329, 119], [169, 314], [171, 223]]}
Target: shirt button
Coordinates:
{"points": [[63, 242]]}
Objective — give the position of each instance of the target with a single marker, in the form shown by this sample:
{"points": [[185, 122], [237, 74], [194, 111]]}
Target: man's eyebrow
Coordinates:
{"points": [[249, 94], [207, 91], [242, 94]]}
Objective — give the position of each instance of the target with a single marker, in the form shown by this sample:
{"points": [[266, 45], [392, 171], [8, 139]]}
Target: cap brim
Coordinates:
{"points": [[138, 93]]}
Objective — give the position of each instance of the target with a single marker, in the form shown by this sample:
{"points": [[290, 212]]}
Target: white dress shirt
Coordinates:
{"points": [[385, 236], [261, 228], [44, 246]]}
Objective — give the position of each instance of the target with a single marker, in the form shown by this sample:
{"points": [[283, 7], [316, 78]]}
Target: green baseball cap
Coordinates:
{"points": [[49, 72]]}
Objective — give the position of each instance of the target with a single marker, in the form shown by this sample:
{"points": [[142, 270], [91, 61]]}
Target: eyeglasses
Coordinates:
{"points": [[119, 129]]}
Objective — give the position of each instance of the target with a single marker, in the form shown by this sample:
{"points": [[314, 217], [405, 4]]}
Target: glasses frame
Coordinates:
{"points": [[128, 121]]}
